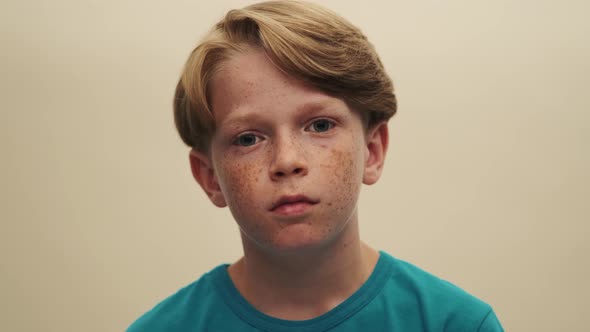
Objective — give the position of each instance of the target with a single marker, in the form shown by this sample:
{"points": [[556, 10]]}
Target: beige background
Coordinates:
{"points": [[486, 182]]}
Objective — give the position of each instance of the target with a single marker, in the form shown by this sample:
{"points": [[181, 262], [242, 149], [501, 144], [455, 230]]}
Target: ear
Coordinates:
{"points": [[376, 141], [204, 173]]}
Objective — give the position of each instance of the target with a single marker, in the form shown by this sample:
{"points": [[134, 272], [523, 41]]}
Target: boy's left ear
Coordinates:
{"points": [[376, 143]]}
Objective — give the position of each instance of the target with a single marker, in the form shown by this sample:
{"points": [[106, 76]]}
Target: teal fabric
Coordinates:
{"points": [[398, 296]]}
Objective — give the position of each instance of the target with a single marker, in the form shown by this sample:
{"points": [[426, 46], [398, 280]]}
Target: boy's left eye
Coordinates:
{"points": [[321, 125]]}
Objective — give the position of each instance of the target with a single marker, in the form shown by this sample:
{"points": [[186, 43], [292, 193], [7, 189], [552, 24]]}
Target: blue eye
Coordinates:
{"points": [[322, 125], [246, 140]]}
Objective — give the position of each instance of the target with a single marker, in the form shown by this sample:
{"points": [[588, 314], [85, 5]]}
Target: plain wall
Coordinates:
{"points": [[486, 181]]}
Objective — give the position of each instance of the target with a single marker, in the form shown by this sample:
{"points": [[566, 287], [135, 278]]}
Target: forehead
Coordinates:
{"points": [[249, 83]]}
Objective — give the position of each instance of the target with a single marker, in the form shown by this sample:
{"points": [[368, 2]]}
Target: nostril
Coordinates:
{"points": [[286, 172]]}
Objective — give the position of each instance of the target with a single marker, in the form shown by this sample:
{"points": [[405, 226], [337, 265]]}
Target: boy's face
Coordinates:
{"points": [[288, 160]]}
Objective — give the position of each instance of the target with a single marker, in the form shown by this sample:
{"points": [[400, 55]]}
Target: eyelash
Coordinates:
{"points": [[330, 123], [257, 138], [237, 139]]}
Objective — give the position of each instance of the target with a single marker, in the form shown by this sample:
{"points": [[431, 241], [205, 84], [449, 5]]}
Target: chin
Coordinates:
{"points": [[295, 249], [298, 241]]}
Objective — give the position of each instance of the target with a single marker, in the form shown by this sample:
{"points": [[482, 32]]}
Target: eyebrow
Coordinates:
{"points": [[314, 106], [242, 118], [302, 110]]}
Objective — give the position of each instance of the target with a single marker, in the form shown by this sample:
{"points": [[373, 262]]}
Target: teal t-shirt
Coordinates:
{"points": [[398, 296]]}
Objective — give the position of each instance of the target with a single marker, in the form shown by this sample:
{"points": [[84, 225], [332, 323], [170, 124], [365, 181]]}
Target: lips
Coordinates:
{"points": [[292, 202]]}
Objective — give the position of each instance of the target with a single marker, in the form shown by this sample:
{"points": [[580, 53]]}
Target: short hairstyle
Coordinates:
{"points": [[303, 40]]}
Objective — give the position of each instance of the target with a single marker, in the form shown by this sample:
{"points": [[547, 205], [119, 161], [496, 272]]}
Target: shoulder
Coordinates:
{"points": [[173, 312], [439, 302]]}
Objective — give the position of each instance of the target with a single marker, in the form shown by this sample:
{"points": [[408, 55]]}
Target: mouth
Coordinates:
{"points": [[295, 204]]}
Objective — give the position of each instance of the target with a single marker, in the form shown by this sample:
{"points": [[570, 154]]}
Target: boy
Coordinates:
{"points": [[285, 106]]}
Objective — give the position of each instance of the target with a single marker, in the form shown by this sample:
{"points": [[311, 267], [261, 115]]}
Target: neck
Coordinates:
{"points": [[303, 285]]}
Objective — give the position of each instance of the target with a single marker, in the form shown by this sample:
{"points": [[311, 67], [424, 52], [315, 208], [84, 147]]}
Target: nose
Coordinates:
{"points": [[288, 160]]}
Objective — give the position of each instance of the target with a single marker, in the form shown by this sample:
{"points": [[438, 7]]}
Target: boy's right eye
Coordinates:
{"points": [[246, 140]]}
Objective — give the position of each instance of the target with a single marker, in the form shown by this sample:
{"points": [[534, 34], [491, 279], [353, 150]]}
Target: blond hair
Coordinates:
{"points": [[305, 41]]}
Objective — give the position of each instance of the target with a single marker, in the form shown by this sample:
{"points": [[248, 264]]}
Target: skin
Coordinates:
{"points": [[275, 136]]}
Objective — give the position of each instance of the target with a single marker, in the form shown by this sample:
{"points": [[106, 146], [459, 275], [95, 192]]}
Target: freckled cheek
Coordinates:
{"points": [[242, 181], [344, 171]]}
